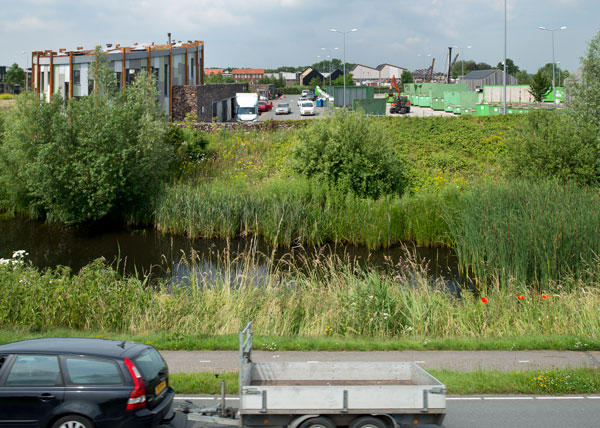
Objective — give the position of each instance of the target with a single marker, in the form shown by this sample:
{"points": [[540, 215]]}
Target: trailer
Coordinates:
{"points": [[328, 395]]}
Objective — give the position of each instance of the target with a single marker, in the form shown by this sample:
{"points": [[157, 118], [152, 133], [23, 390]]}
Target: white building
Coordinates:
{"points": [[380, 75]]}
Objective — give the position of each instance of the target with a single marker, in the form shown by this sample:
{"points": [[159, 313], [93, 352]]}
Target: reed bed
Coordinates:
{"points": [[531, 232], [303, 297], [286, 212]]}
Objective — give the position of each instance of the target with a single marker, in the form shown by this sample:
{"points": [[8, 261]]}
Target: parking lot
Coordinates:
{"points": [[292, 100]]}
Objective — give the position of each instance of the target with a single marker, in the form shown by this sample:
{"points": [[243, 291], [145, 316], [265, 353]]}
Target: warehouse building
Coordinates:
{"points": [[477, 79], [68, 72]]}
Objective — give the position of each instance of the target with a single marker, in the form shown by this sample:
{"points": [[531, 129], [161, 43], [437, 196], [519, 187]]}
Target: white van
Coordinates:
{"points": [[246, 107]]}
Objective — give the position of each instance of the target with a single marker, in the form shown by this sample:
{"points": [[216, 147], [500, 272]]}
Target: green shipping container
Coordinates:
{"points": [[482, 110], [371, 107]]}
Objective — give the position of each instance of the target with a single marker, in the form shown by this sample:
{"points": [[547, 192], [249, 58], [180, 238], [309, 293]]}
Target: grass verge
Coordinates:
{"points": [[544, 382], [173, 341]]}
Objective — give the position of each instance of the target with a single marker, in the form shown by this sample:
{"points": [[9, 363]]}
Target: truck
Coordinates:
{"points": [[327, 394], [246, 107]]}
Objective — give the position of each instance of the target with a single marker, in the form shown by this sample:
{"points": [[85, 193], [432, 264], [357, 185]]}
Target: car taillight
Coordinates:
{"points": [[137, 398]]}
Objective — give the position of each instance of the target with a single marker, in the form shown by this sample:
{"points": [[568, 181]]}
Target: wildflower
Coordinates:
{"points": [[521, 297], [545, 296], [484, 300]]}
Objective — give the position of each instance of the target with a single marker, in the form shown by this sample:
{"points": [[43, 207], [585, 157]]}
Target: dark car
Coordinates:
{"points": [[83, 383]]}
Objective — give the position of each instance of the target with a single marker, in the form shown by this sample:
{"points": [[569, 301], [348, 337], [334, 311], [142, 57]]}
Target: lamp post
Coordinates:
{"points": [[330, 58], [344, 33], [462, 59], [552, 30], [26, 67], [558, 64], [504, 68]]}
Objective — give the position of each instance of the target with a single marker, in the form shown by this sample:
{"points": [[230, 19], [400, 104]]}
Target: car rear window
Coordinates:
{"points": [[88, 371], [34, 370], [150, 363]]}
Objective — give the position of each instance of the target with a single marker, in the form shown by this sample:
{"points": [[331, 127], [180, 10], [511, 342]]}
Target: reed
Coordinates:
{"points": [[300, 297], [534, 233], [291, 211]]}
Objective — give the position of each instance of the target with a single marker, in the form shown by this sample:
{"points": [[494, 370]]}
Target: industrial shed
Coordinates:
{"points": [[309, 74], [477, 79]]}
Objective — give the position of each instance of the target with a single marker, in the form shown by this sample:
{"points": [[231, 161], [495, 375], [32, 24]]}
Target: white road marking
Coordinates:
{"points": [[204, 361], [560, 398], [523, 361], [463, 398], [419, 362], [508, 398]]}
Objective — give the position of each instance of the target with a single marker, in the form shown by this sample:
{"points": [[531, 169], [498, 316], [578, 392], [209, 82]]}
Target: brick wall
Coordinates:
{"points": [[199, 99]]}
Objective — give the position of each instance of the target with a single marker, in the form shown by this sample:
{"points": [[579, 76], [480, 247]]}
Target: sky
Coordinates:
{"points": [[272, 33]]}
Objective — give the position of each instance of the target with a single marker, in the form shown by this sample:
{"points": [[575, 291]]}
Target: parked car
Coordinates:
{"points": [[307, 108], [283, 108], [83, 383], [301, 100], [264, 106]]}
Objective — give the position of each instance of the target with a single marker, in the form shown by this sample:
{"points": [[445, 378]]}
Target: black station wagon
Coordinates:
{"points": [[83, 383]]}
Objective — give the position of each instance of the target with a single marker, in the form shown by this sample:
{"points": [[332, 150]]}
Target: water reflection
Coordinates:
{"points": [[146, 251]]}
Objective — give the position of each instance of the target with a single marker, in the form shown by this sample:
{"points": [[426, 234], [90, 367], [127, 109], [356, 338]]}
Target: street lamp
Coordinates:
{"points": [[330, 58], [462, 59], [504, 65], [344, 33], [26, 67], [552, 30]]}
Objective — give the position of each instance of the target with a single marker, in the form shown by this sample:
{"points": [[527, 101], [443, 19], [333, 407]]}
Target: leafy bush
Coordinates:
{"points": [[553, 145], [97, 156], [6, 97], [350, 151]]}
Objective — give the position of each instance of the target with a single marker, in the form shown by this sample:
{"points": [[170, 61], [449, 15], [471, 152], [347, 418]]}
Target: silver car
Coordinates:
{"points": [[283, 108]]}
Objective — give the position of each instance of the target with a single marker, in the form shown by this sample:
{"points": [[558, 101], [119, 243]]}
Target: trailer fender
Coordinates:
{"points": [[296, 422], [392, 420]]}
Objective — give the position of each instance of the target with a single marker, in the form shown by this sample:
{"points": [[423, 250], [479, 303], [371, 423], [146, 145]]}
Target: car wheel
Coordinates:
{"points": [[73, 421]]}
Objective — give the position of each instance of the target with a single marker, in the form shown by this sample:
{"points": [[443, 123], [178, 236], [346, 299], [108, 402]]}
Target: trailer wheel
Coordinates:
{"points": [[320, 422], [367, 422]]}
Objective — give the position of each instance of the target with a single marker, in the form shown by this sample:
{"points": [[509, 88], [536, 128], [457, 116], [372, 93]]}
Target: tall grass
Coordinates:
{"points": [[533, 233], [319, 297], [292, 211]]}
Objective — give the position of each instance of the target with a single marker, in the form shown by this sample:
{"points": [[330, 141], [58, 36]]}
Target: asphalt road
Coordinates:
{"points": [[292, 100], [488, 411], [222, 361]]}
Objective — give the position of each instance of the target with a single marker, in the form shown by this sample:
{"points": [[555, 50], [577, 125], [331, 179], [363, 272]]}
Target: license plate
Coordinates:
{"points": [[160, 387]]}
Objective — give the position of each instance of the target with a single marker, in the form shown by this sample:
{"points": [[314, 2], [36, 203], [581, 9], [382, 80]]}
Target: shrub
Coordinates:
{"points": [[97, 156], [552, 145], [350, 151], [6, 97]]}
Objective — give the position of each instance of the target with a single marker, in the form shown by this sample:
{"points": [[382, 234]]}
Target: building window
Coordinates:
{"points": [[76, 77]]}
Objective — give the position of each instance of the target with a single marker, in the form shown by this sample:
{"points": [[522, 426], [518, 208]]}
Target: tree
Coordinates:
{"points": [[511, 68], [14, 76], [314, 82], [99, 156], [539, 87], [340, 80], [483, 66], [559, 74], [406, 77], [523, 77], [218, 78]]}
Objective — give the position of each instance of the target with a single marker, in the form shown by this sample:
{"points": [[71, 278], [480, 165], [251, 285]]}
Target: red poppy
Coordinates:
{"points": [[484, 300], [545, 296], [521, 297]]}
